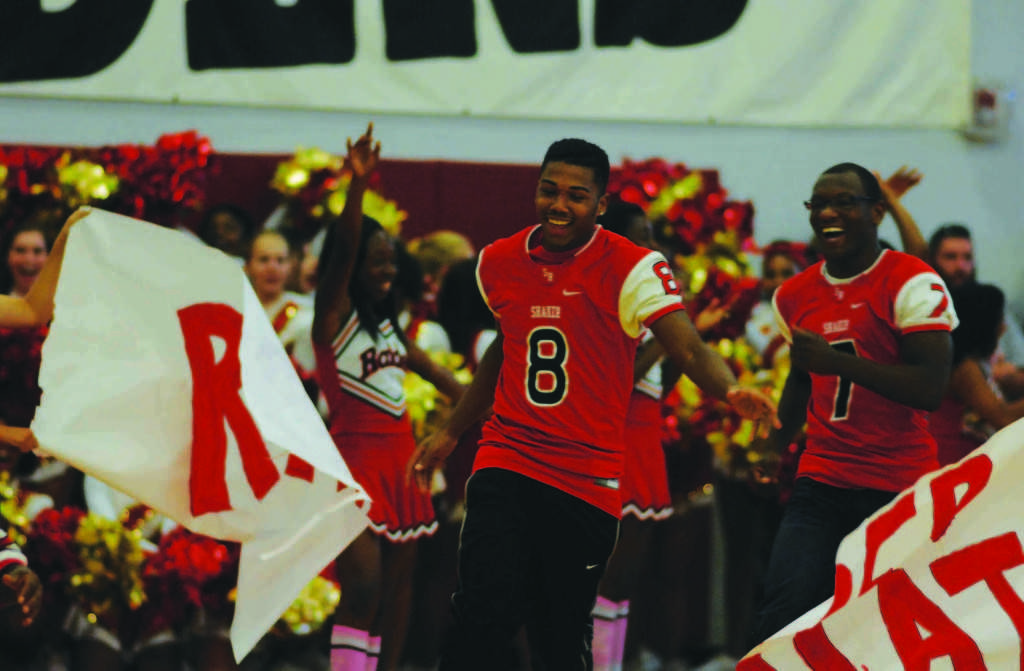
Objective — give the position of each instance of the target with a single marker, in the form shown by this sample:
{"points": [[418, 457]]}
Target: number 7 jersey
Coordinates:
{"points": [[855, 437], [570, 323]]}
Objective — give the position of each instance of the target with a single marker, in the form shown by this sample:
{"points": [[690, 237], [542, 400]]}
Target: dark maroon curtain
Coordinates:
{"points": [[484, 201]]}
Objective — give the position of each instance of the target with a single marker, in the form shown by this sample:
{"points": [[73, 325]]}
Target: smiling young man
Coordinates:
{"points": [[543, 505], [870, 353]]}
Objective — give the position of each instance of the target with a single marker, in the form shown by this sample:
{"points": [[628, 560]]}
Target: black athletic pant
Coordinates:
{"points": [[528, 554]]}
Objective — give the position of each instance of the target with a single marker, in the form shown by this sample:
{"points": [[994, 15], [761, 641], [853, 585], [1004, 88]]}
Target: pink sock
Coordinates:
{"points": [[621, 624], [372, 653], [606, 614], [348, 648]]}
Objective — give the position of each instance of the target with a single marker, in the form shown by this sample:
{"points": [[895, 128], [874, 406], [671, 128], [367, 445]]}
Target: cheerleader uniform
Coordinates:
{"points": [[362, 378], [644, 483]]}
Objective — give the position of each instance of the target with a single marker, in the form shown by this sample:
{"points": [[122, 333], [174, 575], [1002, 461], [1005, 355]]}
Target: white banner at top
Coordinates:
{"points": [[773, 62]]}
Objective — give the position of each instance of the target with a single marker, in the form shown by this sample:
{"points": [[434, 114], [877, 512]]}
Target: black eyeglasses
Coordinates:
{"points": [[844, 203]]}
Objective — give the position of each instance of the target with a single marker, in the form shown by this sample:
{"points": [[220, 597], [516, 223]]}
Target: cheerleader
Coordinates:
{"points": [[361, 356]]}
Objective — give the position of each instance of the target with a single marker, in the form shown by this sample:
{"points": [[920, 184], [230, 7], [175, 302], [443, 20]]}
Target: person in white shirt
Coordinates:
{"points": [[268, 266]]}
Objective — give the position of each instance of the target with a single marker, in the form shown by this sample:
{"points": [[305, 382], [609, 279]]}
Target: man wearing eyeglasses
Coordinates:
{"points": [[870, 353]]}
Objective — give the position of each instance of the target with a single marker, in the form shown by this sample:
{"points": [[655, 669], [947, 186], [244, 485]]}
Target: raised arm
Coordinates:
{"points": [[332, 304], [473, 406], [36, 308], [893, 189]]}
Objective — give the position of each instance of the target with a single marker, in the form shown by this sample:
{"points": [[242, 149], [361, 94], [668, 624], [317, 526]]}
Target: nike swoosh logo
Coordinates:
{"points": [[856, 305], [591, 567], [566, 292]]}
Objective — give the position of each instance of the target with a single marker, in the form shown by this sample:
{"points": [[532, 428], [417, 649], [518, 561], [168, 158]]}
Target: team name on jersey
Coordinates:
{"points": [[546, 311], [836, 326], [373, 360]]}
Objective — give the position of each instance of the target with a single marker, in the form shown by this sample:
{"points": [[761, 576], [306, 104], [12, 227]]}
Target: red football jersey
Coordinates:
{"points": [[855, 437], [570, 323]]}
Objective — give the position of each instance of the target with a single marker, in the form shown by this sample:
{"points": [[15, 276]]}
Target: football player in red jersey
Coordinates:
{"points": [[871, 354], [543, 504]]}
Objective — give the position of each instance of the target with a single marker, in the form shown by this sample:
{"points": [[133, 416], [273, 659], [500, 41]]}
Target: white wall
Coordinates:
{"points": [[978, 184]]}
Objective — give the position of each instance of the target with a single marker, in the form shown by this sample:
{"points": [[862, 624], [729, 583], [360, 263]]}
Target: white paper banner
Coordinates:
{"points": [[153, 334], [932, 581], [791, 62]]}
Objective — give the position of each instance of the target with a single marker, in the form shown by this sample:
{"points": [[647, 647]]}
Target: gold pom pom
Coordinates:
{"points": [[313, 159], [289, 178], [311, 608], [85, 182]]}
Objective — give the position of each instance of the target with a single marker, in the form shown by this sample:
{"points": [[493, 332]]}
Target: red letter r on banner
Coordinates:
{"points": [[215, 387]]}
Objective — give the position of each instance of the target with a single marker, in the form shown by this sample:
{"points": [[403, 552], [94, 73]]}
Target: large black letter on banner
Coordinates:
{"points": [[532, 26], [261, 34], [664, 23], [76, 42], [418, 29]]}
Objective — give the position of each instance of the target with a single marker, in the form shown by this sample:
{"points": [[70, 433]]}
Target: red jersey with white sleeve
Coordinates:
{"points": [[570, 323], [855, 437]]}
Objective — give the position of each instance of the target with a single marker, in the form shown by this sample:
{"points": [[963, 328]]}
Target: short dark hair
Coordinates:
{"points": [[944, 232], [981, 311], [575, 151], [461, 309], [408, 282], [618, 215], [206, 232], [868, 181]]}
